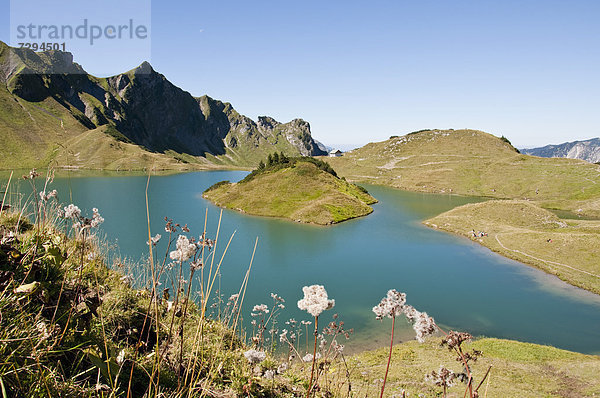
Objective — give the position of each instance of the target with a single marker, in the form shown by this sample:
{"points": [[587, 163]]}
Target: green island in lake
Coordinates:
{"points": [[300, 189]]}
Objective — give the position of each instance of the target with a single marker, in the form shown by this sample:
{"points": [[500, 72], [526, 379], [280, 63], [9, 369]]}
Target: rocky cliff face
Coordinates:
{"points": [[150, 111], [588, 150]]}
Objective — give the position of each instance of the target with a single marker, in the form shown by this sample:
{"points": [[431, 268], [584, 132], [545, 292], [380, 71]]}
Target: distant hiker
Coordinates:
{"points": [[549, 241]]}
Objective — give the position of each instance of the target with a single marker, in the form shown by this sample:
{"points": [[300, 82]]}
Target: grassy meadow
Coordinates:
{"points": [[524, 231], [517, 370]]}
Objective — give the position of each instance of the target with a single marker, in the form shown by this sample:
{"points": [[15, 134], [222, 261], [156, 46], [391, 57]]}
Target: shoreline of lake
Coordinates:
{"points": [[357, 262]]}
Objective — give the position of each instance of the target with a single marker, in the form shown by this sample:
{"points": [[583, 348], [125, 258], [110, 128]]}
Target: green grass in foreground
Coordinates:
{"points": [[525, 232], [72, 327], [300, 192], [518, 370]]}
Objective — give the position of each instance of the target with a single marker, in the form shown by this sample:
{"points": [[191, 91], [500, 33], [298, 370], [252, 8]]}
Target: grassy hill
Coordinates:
{"points": [[471, 162], [518, 370], [101, 148], [298, 190], [525, 232], [45, 134]]}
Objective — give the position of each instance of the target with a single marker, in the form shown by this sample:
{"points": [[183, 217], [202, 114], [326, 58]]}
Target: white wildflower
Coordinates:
{"points": [[339, 348], [269, 374], [309, 357], [391, 306], [424, 326], [196, 264], [46, 196], [33, 174], [42, 330], [185, 249], [411, 313], [72, 211], [277, 298], [254, 356], [262, 308], [282, 368], [283, 335], [121, 357], [96, 218], [315, 300], [154, 240], [234, 297], [127, 279]]}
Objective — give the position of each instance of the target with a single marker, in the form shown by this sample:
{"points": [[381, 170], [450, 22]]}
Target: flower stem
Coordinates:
{"points": [[389, 357], [312, 370]]}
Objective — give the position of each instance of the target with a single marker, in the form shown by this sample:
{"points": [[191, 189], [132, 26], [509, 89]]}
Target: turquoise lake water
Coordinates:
{"points": [[461, 284]]}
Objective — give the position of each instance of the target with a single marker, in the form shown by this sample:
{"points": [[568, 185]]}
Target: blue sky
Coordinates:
{"points": [[360, 72]]}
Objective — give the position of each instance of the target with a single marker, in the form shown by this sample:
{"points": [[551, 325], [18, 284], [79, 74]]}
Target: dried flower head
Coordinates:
{"points": [[261, 309], [184, 249], [196, 264], [455, 339], [442, 378], [154, 240], [47, 196], [72, 211], [424, 326], [277, 298], [391, 306], [234, 297], [309, 357], [283, 335], [96, 218], [315, 300], [254, 356]]}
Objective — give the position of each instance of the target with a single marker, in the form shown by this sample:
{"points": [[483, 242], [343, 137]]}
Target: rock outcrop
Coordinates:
{"points": [[147, 109], [588, 150]]}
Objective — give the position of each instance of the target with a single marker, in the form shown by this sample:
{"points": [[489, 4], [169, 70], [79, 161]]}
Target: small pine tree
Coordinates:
{"points": [[275, 158], [283, 158], [270, 160], [261, 165]]}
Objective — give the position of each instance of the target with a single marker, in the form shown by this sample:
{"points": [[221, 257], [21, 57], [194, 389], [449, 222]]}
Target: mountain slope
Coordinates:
{"points": [[43, 109], [471, 162], [299, 191], [588, 150], [525, 232]]}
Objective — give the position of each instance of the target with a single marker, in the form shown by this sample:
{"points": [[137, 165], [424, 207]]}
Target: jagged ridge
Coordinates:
{"points": [[588, 150], [142, 106]]}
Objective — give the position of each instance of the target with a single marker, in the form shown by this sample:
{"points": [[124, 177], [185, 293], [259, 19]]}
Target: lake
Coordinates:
{"points": [[461, 284]]}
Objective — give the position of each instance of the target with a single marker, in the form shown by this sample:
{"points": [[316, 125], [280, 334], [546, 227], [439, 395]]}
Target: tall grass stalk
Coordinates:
{"points": [[387, 369], [5, 193], [314, 359]]}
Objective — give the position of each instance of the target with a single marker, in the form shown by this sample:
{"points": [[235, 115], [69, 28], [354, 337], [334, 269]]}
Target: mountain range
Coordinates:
{"points": [[53, 111], [588, 150]]}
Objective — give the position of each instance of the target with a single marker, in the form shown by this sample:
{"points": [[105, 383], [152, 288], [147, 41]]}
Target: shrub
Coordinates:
{"points": [[217, 185]]}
